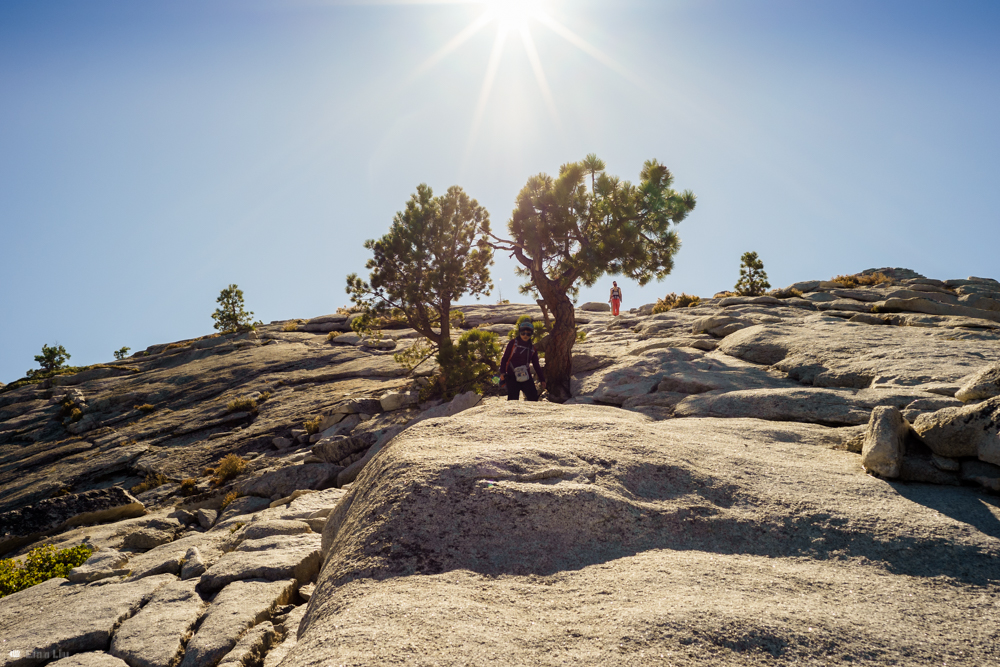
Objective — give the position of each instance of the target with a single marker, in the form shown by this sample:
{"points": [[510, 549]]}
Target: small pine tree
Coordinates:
{"points": [[122, 353], [51, 359], [753, 279], [230, 315]]}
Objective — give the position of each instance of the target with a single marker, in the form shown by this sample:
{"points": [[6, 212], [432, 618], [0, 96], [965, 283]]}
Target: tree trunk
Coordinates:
{"points": [[559, 347]]}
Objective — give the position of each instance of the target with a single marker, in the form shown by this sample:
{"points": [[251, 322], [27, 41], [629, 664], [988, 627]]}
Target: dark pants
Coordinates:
{"points": [[514, 389]]}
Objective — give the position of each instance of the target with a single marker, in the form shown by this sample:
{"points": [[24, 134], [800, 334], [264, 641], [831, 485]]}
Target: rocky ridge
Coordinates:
{"points": [[706, 448]]}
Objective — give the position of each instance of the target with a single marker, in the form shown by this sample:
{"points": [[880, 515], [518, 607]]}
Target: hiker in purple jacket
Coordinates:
{"points": [[514, 365]]}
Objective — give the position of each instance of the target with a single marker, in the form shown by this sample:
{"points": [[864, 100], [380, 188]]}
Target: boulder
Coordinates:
{"points": [[596, 307], [56, 618], [100, 565], [28, 524], [194, 565], [923, 469], [290, 557], [984, 384], [206, 517], [885, 442], [245, 505], [985, 475], [146, 539], [967, 431], [155, 636], [282, 482], [282, 443], [326, 323], [237, 608], [337, 448], [396, 400]]}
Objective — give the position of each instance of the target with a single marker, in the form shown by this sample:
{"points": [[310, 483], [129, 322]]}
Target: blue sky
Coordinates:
{"points": [[153, 152]]}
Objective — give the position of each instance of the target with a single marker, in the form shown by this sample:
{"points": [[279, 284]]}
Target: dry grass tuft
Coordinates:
{"points": [[151, 482], [228, 467]]}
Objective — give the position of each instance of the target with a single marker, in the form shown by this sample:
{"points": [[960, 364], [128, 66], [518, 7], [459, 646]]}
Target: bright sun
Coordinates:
{"points": [[511, 14]]}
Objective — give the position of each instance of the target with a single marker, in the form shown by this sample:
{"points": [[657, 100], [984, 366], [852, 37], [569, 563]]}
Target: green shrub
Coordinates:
{"points": [[51, 359], [122, 353], [671, 301], [40, 565], [151, 482], [228, 467]]}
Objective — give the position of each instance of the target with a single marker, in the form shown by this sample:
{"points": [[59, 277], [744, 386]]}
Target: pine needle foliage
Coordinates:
{"points": [[430, 258], [753, 278], [230, 316], [571, 230]]}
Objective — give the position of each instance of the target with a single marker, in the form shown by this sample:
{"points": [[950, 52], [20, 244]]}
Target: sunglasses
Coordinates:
{"points": [[525, 333]]}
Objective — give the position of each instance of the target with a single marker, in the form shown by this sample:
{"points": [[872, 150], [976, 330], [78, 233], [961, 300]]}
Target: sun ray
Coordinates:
{"points": [[484, 93], [536, 66], [452, 44], [586, 47]]}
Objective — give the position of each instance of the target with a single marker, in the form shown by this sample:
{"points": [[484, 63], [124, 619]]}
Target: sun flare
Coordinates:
{"points": [[510, 14]]}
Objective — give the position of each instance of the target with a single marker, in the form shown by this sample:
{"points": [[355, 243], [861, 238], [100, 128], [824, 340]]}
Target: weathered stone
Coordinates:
{"points": [[396, 400], [100, 565], [206, 517], [348, 474], [25, 525], [339, 447], [252, 647], [923, 469], [245, 505], [257, 530], [923, 305], [91, 659], [282, 443], [968, 431], [984, 384], [146, 539], [282, 482], [55, 617], [945, 463], [155, 636], [596, 307], [344, 425], [984, 474], [458, 404], [237, 608], [194, 564], [885, 440], [291, 630], [292, 557]]}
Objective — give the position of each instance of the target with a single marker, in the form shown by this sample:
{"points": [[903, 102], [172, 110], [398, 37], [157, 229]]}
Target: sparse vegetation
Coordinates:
{"points": [[145, 407], [175, 346], [238, 524], [40, 565], [264, 395], [242, 405], [76, 414], [862, 280], [227, 468], [291, 325], [51, 359], [753, 278], [188, 486], [785, 293], [121, 353], [227, 501], [671, 301], [312, 425], [230, 317], [152, 481]]}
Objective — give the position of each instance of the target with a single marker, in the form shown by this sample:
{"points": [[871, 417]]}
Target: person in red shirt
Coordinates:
{"points": [[514, 364]]}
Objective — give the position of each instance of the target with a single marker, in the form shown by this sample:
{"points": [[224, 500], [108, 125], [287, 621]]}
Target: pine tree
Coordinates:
{"points": [[563, 232], [753, 279], [230, 315], [51, 359]]}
